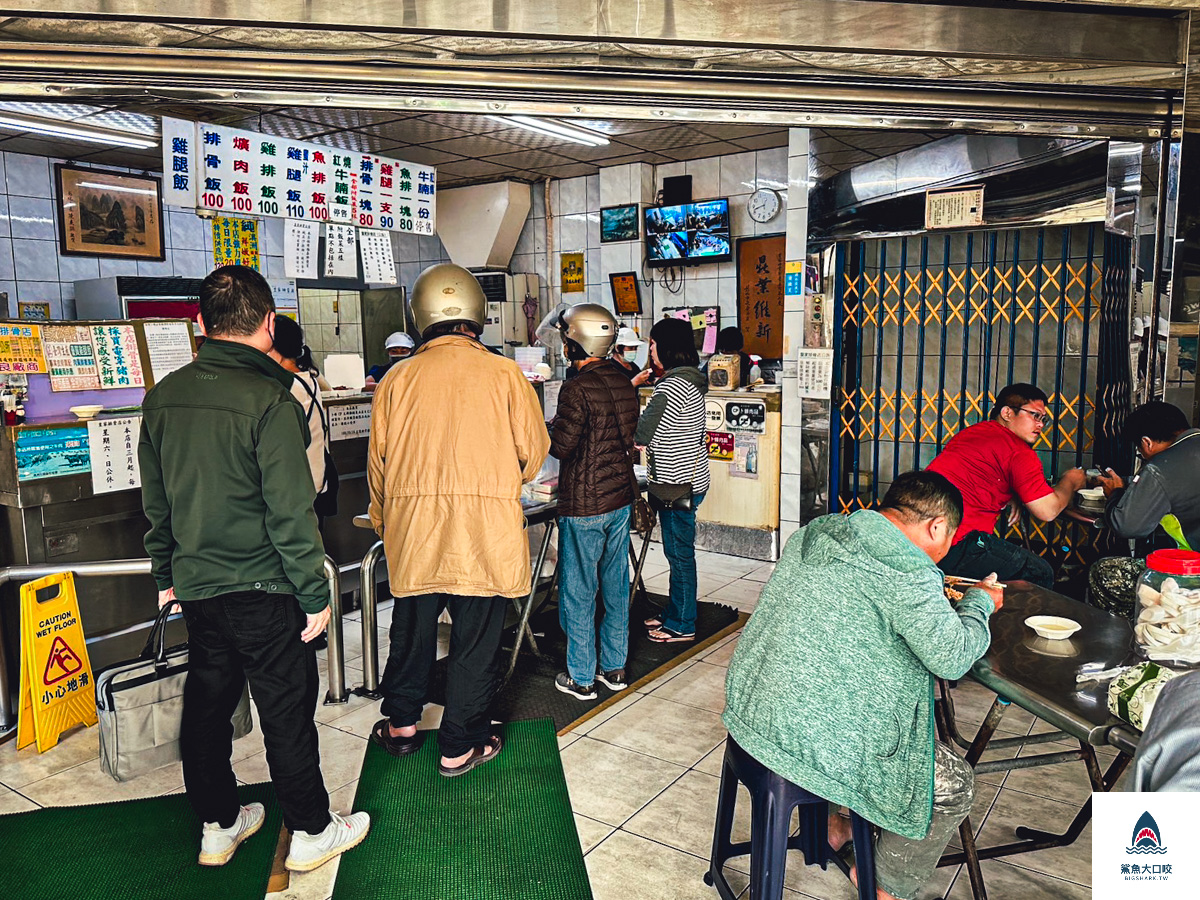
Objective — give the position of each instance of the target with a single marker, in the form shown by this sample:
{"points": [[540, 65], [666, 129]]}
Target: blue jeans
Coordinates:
{"points": [[679, 544], [593, 551]]}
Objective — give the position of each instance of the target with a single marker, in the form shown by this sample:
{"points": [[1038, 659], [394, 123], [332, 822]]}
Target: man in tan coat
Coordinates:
{"points": [[455, 432]]}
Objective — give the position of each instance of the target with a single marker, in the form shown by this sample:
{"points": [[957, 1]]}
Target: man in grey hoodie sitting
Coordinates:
{"points": [[831, 685]]}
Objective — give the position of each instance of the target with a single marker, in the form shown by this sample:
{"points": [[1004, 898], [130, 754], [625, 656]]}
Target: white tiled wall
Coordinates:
{"points": [[575, 204], [332, 322], [32, 270]]}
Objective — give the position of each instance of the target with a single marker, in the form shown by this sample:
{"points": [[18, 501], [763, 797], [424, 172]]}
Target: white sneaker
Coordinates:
{"points": [[312, 850], [217, 844]]}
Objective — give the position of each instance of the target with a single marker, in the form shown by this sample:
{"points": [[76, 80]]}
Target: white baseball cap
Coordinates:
{"points": [[627, 337], [398, 339]]}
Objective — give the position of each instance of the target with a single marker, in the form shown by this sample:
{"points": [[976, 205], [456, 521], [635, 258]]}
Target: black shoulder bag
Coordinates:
{"points": [[326, 503]]}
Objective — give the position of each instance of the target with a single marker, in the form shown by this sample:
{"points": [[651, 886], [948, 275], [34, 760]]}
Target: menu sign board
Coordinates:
{"points": [[70, 357], [231, 170], [235, 242], [21, 349], [117, 356]]}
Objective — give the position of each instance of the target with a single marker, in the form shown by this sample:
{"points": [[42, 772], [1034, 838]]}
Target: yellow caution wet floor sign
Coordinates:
{"points": [[57, 691]]}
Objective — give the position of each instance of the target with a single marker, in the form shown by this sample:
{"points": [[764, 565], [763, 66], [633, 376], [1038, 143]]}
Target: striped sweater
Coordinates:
{"points": [[672, 426]]}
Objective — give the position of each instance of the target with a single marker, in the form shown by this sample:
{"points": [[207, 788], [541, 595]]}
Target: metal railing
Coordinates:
{"points": [[335, 654], [369, 594]]}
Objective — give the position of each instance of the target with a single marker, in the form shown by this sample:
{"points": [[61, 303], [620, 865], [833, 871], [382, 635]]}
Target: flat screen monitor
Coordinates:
{"points": [[689, 234]]}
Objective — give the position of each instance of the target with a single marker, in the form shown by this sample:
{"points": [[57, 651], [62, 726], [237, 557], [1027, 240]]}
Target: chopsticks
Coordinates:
{"points": [[958, 579]]}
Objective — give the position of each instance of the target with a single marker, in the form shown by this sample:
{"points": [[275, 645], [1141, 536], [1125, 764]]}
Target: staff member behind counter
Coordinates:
{"points": [[398, 346]]}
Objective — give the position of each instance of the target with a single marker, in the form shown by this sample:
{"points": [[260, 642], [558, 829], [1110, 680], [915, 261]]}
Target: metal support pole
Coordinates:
{"points": [[523, 624], [334, 652], [370, 619]]}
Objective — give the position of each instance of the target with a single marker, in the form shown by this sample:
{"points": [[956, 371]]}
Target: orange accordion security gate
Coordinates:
{"points": [[929, 327]]}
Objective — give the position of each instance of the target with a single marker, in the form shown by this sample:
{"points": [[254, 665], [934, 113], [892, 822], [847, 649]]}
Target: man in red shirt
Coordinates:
{"points": [[992, 464]]}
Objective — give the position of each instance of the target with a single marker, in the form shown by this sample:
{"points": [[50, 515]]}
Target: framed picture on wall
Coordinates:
{"points": [[627, 295], [108, 213], [619, 223]]}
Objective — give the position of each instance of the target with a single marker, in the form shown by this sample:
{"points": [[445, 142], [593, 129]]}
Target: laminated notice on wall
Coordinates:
{"points": [[300, 241], [349, 420], [70, 358], [956, 208], [375, 248], [112, 450], [814, 373], [341, 251], [168, 346]]}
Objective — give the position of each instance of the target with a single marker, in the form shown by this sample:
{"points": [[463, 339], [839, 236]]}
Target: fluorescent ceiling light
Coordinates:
{"points": [[74, 131], [555, 130]]}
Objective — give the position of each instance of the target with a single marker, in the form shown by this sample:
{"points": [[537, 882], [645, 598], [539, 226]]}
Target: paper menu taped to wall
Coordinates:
{"points": [[375, 247], [341, 252], [168, 347], [70, 358]]}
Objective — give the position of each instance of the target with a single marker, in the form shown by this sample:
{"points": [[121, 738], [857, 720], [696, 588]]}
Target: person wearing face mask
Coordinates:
{"points": [[398, 346], [624, 355], [993, 465]]}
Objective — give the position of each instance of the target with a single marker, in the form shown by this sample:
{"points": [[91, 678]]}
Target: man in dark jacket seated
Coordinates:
{"points": [[592, 436]]}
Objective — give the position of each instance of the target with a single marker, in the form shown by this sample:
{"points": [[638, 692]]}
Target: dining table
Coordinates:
{"points": [[1041, 676]]}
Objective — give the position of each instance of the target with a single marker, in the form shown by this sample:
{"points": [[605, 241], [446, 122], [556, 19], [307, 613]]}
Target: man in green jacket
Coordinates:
{"points": [[831, 685], [233, 538]]}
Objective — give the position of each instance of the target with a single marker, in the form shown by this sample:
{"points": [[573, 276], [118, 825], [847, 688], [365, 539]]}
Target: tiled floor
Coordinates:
{"points": [[643, 777]]}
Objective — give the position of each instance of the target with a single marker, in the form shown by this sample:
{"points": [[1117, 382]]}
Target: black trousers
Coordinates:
{"points": [[979, 554], [251, 635], [473, 670]]}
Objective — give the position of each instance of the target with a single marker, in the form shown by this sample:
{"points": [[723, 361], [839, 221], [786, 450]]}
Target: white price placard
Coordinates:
{"points": [[112, 448], [179, 162], [814, 373], [341, 253]]}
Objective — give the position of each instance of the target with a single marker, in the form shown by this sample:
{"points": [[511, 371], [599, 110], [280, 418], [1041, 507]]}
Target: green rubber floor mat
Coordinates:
{"points": [[144, 849], [501, 832]]}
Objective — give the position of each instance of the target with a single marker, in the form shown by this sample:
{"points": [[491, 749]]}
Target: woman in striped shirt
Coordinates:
{"points": [[672, 428]]}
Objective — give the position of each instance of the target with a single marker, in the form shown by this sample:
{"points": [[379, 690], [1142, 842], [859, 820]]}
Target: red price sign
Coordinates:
{"points": [[720, 445]]}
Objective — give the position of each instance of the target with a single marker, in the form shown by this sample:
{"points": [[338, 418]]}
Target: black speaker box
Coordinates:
{"points": [[677, 190]]}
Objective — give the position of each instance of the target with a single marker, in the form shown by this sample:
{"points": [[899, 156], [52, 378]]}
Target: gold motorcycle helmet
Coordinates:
{"points": [[447, 293], [591, 326]]}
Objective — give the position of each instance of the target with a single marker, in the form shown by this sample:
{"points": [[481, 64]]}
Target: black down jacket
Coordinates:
{"points": [[591, 436]]}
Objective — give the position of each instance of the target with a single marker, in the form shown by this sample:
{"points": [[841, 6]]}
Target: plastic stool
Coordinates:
{"points": [[772, 800]]}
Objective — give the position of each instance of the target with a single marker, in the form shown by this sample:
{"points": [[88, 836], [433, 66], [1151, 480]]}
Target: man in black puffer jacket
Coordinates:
{"points": [[592, 436]]}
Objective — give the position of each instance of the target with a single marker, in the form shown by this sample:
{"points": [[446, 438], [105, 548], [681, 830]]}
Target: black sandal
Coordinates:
{"points": [[397, 746], [479, 756]]}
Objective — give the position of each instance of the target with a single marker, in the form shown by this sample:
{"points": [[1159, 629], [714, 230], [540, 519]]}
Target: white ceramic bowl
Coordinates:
{"points": [[1054, 628], [86, 412]]}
